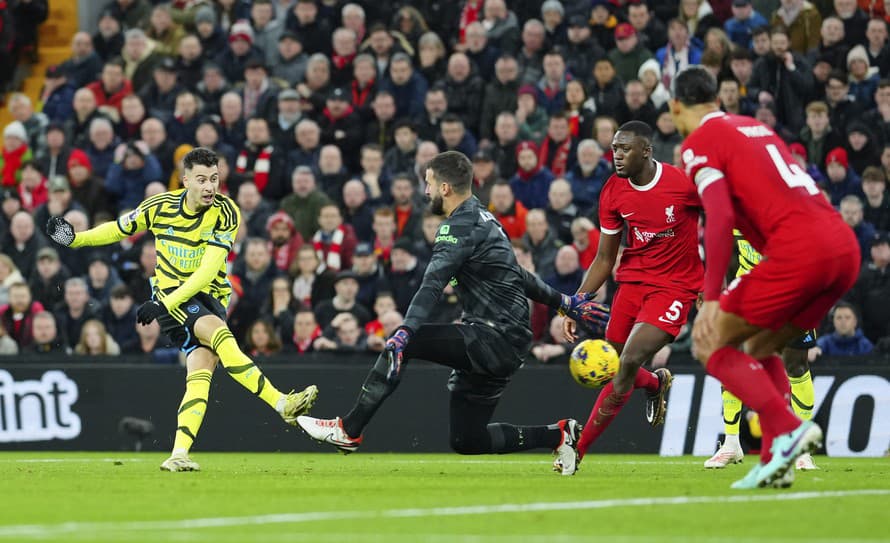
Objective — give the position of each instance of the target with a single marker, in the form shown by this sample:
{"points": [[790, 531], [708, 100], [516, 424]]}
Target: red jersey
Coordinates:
{"points": [[662, 222], [775, 202]]}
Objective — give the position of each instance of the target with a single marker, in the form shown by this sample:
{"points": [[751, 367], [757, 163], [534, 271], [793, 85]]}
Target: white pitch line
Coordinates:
{"points": [[50, 530], [64, 460]]}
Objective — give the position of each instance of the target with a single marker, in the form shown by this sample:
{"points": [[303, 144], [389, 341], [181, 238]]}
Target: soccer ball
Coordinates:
{"points": [[593, 363]]}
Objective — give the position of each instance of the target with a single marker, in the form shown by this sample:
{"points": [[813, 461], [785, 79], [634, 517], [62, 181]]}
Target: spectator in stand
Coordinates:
{"points": [[159, 96], [387, 322], [561, 210], [502, 27], [21, 243], [485, 174], [500, 94], [33, 189], [464, 90], [876, 46], [558, 151], [48, 283], [84, 65], [76, 310], [783, 78], [862, 150], [101, 278], [384, 226], [190, 62], [588, 176], [364, 83], [304, 20], [506, 131], [108, 41], [344, 45], [607, 89], [9, 275], [60, 200], [53, 162], [35, 123], [130, 13], [541, 242], [260, 162], [344, 301], [405, 274], [284, 121], [408, 213], [531, 54], [629, 54], [585, 240], [369, 274], [357, 212], [334, 242], [46, 336], [567, 274], [77, 127], [261, 339], [259, 94], [133, 169], [817, 136], [185, 119], [332, 174], [151, 343], [400, 157], [284, 240], [15, 153], [847, 338], [211, 88], [532, 119], [373, 175], [254, 210], [280, 307], [877, 202], [96, 341], [851, 208], [532, 179], [102, 146], [871, 291], [163, 30], [119, 316], [17, 316], [855, 20], [8, 346], [380, 121], [305, 332], [480, 53], [304, 204], [649, 75], [109, 90], [679, 53], [454, 136], [407, 86], [132, 115], [311, 287], [832, 47], [803, 22], [507, 210], [255, 272], [431, 58], [430, 228], [341, 126], [308, 138], [435, 107], [317, 85], [57, 95], [745, 19], [842, 181], [233, 59], [666, 139], [346, 333]]}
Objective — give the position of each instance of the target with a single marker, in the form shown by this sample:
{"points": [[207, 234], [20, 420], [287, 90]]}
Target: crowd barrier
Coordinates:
{"points": [[86, 405]]}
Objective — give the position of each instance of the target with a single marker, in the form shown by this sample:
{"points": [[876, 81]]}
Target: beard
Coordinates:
{"points": [[437, 206]]}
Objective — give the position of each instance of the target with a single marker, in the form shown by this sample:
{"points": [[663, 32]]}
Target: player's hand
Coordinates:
{"points": [[584, 311], [704, 330], [395, 348], [568, 330], [60, 231], [149, 311]]}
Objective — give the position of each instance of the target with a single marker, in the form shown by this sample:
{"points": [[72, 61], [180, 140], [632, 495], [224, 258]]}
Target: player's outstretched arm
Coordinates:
{"points": [[62, 232]]}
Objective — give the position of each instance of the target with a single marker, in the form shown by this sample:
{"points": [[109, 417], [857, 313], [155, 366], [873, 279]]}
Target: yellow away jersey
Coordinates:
{"points": [[181, 237], [748, 255]]}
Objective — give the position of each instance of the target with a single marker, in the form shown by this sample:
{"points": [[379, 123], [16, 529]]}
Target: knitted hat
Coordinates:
{"points": [[205, 14], [15, 129], [857, 53], [798, 149], [241, 30], [837, 155], [527, 146], [280, 216], [528, 89], [79, 158]]}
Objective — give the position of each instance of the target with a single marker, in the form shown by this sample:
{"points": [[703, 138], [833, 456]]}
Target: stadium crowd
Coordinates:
{"points": [[323, 113]]}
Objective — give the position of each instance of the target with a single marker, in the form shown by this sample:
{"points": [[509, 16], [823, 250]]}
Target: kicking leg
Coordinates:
{"points": [[644, 341], [199, 366], [213, 332]]}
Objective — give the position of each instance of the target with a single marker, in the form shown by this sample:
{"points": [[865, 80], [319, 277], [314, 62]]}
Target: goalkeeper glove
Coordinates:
{"points": [[395, 347], [60, 231], [149, 311], [583, 310]]}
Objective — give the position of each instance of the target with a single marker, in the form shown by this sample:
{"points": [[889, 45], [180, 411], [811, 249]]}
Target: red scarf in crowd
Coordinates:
{"points": [[574, 123], [525, 175], [306, 345], [330, 256], [12, 161], [382, 251], [261, 166], [560, 158], [330, 116], [360, 95], [469, 14], [341, 62]]}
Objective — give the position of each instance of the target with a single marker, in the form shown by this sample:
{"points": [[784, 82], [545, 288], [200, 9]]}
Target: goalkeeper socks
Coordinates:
{"points": [[746, 379], [191, 410], [607, 405], [375, 390], [241, 368], [507, 438], [803, 395], [732, 414]]}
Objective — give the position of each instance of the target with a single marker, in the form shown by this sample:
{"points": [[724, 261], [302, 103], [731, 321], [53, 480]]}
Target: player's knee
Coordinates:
{"points": [[465, 443]]}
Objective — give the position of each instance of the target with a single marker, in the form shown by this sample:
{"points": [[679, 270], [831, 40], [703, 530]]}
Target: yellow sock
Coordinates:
{"points": [[732, 412], [803, 395], [241, 368], [191, 410]]}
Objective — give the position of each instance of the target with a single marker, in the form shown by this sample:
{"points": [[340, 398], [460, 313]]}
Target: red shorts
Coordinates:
{"points": [[664, 309], [795, 290]]}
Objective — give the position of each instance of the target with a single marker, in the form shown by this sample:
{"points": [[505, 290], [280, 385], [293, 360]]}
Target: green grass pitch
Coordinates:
{"points": [[326, 497]]}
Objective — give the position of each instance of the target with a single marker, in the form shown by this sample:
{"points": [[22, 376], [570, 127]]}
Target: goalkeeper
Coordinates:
{"points": [[194, 229], [473, 253]]}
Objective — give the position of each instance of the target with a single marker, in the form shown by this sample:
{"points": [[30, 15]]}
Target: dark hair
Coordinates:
{"points": [[120, 291], [453, 168], [778, 29], [33, 165], [763, 29], [116, 61], [728, 79], [845, 305], [200, 156], [695, 85], [404, 123], [451, 118], [873, 173], [837, 74], [638, 129]]}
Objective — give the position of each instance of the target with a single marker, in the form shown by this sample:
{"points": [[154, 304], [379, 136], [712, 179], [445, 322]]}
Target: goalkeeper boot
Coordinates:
{"points": [[806, 438], [180, 462], [727, 454], [567, 461], [299, 403], [805, 462], [656, 406], [329, 431]]}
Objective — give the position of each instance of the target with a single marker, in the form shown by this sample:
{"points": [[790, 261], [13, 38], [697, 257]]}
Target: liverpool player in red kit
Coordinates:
{"points": [[659, 277], [747, 178]]}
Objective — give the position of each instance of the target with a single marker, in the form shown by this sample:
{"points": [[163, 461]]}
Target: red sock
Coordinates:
{"points": [[646, 379], [775, 368], [607, 405], [747, 380]]}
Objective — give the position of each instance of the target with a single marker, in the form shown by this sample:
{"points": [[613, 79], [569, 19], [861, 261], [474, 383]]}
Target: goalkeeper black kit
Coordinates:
{"points": [[473, 253]]}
